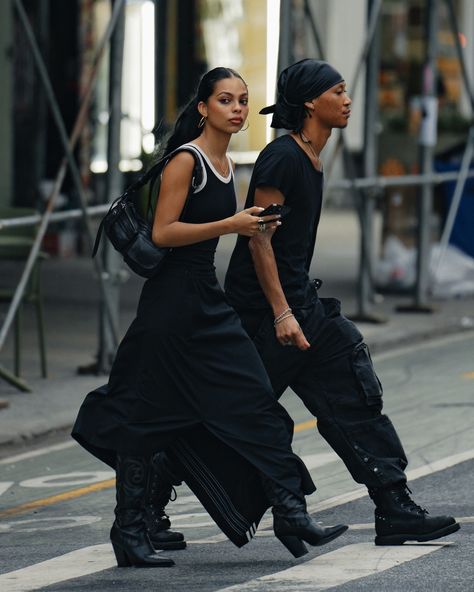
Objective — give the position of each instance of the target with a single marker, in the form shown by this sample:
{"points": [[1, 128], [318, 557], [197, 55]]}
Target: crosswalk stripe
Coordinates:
{"points": [[343, 565], [72, 565], [99, 557], [346, 564]]}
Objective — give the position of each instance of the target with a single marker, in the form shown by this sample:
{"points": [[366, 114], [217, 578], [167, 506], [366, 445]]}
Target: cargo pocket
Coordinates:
{"points": [[364, 371]]}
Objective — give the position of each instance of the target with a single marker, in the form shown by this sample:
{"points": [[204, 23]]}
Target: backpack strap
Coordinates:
{"points": [[151, 176], [196, 178]]}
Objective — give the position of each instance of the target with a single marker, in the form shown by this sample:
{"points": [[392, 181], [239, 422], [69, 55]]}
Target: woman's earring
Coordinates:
{"points": [[244, 129], [202, 121]]}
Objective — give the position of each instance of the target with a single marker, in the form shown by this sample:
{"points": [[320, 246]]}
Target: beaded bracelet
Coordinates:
{"points": [[282, 318], [282, 314]]}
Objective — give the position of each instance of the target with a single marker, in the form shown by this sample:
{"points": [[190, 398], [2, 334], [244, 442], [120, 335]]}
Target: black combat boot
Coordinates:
{"points": [[128, 535], [399, 519], [157, 496], [291, 522]]}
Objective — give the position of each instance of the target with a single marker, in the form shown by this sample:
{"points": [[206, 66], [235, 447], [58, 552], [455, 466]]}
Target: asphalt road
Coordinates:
{"points": [[56, 505]]}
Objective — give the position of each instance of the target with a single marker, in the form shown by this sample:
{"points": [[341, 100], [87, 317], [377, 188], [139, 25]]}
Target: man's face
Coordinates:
{"points": [[332, 108]]}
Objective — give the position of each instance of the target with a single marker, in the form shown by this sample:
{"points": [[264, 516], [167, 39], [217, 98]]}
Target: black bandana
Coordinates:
{"points": [[298, 83]]}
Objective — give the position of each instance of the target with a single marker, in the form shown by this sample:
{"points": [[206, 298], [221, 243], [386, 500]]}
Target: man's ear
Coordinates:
{"points": [[309, 105]]}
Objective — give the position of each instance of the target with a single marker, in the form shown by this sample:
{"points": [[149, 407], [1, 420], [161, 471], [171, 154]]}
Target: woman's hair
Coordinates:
{"points": [[186, 127]]}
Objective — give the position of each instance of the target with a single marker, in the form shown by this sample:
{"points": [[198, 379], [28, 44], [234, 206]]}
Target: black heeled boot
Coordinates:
{"points": [[291, 522], [157, 496], [399, 519], [128, 534]]}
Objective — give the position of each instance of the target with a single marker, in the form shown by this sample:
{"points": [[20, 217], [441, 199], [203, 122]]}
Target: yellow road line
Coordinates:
{"points": [[100, 486], [305, 425], [468, 375], [60, 497]]}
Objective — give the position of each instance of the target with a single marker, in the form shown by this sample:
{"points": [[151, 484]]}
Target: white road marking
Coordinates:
{"points": [[52, 523], [4, 485], [184, 499], [313, 461], [68, 479], [370, 525], [344, 498], [432, 344], [423, 471], [440, 465], [76, 564], [327, 569], [177, 518], [38, 452], [346, 564]]}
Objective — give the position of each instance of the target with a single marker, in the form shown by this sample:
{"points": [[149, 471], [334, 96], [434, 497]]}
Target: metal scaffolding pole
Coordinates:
{"points": [[468, 152], [161, 32], [67, 160], [428, 143], [285, 46], [427, 153], [365, 286], [363, 200], [114, 186]]}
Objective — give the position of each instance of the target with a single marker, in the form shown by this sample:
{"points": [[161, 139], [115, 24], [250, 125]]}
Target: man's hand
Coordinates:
{"points": [[289, 332]]}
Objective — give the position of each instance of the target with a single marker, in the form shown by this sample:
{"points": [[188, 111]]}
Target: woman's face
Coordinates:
{"points": [[227, 108]]}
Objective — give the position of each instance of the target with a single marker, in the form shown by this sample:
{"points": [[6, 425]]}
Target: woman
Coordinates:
{"points": [[186, 379]]}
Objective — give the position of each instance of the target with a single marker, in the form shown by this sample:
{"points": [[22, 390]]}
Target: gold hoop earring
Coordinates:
{"points": [[202, 121], [244, 129]]}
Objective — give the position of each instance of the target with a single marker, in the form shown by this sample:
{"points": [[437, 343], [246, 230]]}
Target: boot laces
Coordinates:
{"points": [[403, 496], [158, 512]]}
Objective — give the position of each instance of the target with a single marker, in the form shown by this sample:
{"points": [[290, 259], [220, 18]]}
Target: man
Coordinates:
{"points": [[304, 341]]}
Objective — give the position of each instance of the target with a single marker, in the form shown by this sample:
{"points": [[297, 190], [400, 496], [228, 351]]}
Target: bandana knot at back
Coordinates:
{"points": [[300, 82]]}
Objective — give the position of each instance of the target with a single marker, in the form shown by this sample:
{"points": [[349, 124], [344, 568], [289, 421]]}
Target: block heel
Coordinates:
{"points": [[294, 545], [121, 557]]}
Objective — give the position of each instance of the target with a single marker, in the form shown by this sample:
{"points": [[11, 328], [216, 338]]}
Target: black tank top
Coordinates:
{"points": [[214, 199]]}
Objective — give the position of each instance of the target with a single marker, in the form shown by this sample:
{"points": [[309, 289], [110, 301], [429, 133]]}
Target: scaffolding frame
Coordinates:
{"points": [[365, 200], [67, 161]]}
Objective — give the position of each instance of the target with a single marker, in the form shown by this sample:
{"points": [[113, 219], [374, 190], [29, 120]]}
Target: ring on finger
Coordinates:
{"points": [[262, 226]]}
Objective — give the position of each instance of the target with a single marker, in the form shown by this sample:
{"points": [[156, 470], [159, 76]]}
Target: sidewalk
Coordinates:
{"points": [[71, 317]]}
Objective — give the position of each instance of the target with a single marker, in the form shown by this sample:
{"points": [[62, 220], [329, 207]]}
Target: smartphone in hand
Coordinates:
{"points": [[276, 210]]}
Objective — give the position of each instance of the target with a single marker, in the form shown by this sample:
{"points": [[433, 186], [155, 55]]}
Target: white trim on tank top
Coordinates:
{"points": [[211, 166]]}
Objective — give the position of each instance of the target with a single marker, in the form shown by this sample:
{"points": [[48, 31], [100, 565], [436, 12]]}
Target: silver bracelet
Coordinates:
{"points": [[282, 314], [282, 318]]}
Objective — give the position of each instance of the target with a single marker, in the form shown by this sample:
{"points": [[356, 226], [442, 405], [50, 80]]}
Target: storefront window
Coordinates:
{"points": [[137, 87], [240, 34], [243, 35]]}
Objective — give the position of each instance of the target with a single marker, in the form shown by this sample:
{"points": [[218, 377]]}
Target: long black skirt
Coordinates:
{"points": [[188, 380]]}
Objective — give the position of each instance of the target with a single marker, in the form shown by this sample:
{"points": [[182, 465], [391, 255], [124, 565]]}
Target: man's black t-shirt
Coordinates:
{"points": [[282, 164]]}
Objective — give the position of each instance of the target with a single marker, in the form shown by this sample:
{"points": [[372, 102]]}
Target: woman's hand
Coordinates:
{"points": [[289, 332], [248, 222]]}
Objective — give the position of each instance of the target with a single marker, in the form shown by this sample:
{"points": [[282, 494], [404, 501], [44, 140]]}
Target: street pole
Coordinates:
{"points": [[161, 29], [427, 144], [285, 43], [285, 48], [114, 187], [365, 286]]}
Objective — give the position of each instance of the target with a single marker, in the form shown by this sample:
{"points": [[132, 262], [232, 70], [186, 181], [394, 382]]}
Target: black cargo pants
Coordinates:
{"points": [[337, 383]]}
